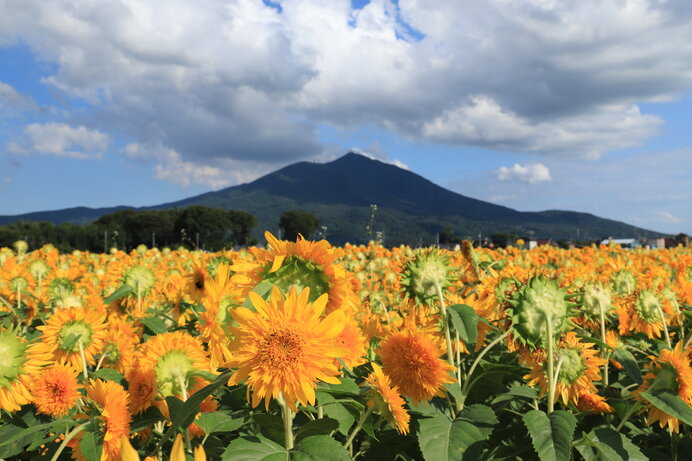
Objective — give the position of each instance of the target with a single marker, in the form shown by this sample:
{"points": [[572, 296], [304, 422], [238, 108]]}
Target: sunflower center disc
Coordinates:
{"points": [[281, 349]]}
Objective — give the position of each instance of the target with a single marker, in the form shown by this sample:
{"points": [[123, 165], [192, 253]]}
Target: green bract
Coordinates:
{"points": [[300, 273], [140, 278], [422, 275], [596, 297], [11, 357], [536, 302], [648, 306], [624, 282]]}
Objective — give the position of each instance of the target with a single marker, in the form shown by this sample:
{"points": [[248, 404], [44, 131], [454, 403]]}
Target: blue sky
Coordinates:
{"points": [[531, 104]]}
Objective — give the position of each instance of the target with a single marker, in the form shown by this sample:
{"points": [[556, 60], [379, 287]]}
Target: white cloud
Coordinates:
{"points": [[375, 152], [669, 217], [532, 173], [60, 140], [237, 79], [169, 165]]}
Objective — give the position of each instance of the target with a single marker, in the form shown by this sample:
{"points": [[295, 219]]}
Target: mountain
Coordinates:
{"points": [[410, 208]]}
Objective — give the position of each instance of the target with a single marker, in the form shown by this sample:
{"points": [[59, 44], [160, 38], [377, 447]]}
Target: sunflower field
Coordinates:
{"points": [[305, 351]]}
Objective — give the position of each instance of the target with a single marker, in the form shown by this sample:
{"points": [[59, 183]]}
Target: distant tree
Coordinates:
{"points": [[242, 224], [297, 222], [501, 239], [211, 226], [448, 237]]}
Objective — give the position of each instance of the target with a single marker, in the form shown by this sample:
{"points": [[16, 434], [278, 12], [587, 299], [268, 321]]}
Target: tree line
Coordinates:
{"points": [[193, 227]]}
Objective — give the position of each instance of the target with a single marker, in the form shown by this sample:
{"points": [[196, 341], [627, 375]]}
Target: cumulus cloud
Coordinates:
{"points": [[245, 81], [669, 217], [60, 140], [13, 100], [532, 173], [169, 165], [375, 152]]}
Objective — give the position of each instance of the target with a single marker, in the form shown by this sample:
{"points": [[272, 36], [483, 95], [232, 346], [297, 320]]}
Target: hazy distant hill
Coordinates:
{"points": [[410, 208]]}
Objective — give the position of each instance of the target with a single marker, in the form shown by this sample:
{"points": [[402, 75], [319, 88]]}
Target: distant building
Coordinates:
{"points": [[624, 243]]}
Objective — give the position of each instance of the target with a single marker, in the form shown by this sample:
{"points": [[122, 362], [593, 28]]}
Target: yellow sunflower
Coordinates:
{"points": [[56, 390], [300, 264], [385, 399], [174, 357], [108, 400], [21, 363], [285, 347], [669, 371], [411, 358], [61, 329], [577, 367]]}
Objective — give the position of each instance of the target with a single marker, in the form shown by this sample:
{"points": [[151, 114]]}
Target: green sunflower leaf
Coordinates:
{"points": [[551, 434], [465, 322], [670, 404]]}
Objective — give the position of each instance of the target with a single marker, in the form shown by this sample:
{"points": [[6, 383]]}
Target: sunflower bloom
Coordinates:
{"points": [[65, 324], [142, 388], [411, 358], [174, 356], [21, 362], [300, 264], [578, 369], [670, 371], [114, 418], [285, 347], [386, 401], [56, 390]]}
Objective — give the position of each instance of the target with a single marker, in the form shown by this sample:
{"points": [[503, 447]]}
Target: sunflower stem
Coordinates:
{"points": [[287, 415], [467, 379], [445, 319], [320, 412], [68, 437], [139, 297], [186, 432], [603, 351], [356, 429], [84, 362], [627, 417], [100, 362], [551, 359], [682, 319], [674, 441], [665, 327]]}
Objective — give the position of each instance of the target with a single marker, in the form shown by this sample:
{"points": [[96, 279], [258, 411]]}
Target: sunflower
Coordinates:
{"points": [[197, 282], [594, 403], [21, 363], [142, 388], [422, 275], [286, 346], [85, 324], [641, 312], [108, 401], [670, 371], [577, 369], [174, 357], [300, 264], [56, 390], [385, 399], [351, 338], [411, 358], [221, 294]]}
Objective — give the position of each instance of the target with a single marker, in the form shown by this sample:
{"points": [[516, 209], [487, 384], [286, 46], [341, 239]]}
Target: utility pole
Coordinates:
{"points": [[153, 239], [196, 240], [105, 241]]}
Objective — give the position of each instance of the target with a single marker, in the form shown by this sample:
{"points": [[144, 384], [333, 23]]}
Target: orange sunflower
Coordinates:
{"points": [[285, 347], [411, 358], [385, 399], [577, 367], [300, 264], [174, 356], [108, 399], [21, 363], [56, 390], [669, 371], [86, 324]]}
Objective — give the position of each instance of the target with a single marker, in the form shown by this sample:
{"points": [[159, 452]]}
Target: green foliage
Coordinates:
{"points": [[441, 438], [297, 222], [551, 434]]}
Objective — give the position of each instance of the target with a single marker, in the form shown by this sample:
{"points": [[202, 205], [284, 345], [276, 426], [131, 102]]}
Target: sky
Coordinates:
{"points": [[531, 104]]}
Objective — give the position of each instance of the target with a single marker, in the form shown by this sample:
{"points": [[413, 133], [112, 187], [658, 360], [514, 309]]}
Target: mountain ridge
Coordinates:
{"points": [[411, 208]]}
